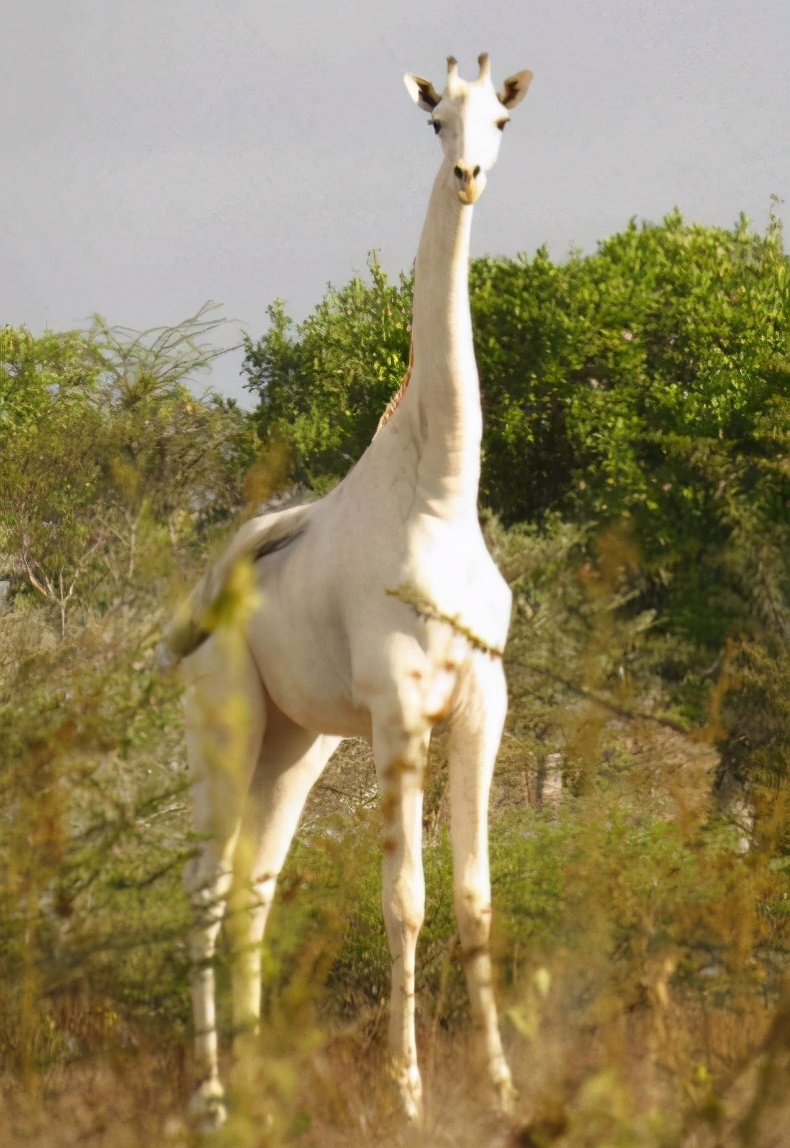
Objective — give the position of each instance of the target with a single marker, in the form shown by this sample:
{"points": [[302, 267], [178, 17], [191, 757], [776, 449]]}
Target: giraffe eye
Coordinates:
{"points": [[437, 127], [501, 124]]}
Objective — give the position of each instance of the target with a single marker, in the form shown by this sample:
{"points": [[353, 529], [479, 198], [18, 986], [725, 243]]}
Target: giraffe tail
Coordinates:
{"points": [[255, 539]]}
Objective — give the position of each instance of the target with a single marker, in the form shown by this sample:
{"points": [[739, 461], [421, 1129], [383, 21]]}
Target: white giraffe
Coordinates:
{"points": [[328, 653]]}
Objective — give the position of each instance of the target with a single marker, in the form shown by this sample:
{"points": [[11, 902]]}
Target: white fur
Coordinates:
{"points": [[328, 653]]}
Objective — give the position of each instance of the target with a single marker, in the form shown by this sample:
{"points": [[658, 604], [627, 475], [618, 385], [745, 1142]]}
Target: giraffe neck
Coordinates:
{"points": [[444, 390]]}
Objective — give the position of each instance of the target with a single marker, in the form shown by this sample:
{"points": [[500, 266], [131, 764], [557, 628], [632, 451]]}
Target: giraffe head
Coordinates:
{"points": [[469, 118]]}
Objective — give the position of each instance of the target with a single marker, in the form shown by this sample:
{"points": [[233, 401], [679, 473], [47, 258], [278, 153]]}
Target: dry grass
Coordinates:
{"points": [[604, 1052], [582, 1085], [641, 956]]}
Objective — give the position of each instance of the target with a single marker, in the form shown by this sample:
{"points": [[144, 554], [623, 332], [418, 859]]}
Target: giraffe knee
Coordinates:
{"points": [[208, 893], [473, 914], [204, 882], [263, 890], [406, 906]]}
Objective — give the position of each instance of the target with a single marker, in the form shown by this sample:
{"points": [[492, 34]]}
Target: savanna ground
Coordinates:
{"points": [[638, 407]]}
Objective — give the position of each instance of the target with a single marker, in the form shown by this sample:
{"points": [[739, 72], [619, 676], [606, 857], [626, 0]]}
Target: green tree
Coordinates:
{"points": [[33, 371], [108, 456], [650, 383], [647, 383], [323, 385]]}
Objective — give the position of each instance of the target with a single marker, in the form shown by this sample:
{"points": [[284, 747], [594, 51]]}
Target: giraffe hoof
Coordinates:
{"points": [[410, 1089], [207, 1111], [412, 1108], [506, 1095]]}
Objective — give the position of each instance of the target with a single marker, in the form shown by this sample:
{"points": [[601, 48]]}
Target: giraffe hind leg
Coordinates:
{"points": [[290, 762], [225, 717]]}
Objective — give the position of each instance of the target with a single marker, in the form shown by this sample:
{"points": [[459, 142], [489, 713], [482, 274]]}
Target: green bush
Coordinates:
{"points": [[108, 457], [649, 384], [323, 386]]}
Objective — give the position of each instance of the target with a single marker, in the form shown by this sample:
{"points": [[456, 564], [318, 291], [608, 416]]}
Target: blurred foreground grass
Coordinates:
{"points": [[641, 946]]}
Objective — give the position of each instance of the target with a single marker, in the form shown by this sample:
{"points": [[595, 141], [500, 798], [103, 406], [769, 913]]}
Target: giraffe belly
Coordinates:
{"points": [[330, 610], [300, 651]]}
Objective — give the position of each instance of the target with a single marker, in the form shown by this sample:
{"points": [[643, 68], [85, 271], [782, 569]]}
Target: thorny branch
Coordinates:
{"points": [[426, 609]]}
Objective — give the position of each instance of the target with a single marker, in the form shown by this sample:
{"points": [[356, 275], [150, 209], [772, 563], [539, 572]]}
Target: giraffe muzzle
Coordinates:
{"points": [[470, 183]]}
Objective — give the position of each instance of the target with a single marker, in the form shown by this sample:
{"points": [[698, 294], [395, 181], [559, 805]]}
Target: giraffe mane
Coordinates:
{"points": [[395, 401]]}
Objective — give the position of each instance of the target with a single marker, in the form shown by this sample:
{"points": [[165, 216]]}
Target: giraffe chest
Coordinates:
{"points": [[446, 572]]}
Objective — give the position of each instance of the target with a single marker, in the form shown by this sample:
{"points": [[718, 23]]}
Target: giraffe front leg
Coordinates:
{"points": [[475, 734], [400, 765]]}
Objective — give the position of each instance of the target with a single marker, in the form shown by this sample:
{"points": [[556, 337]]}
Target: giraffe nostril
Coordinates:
{"points": [[458, 171], [476, 172]]}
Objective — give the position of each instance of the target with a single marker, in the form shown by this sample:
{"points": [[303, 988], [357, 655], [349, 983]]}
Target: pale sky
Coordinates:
{"points": [[160, 153]]}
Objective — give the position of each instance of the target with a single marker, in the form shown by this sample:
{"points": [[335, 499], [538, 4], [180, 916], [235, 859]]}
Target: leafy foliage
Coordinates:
{"points": [[614, 384], [649, 383], [324, 385], [107, 454], [33, 370], [643, 389]]}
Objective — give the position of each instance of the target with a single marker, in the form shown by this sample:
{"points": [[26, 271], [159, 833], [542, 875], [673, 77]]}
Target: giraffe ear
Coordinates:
{"points": [[422, 92], [514, 89]]}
